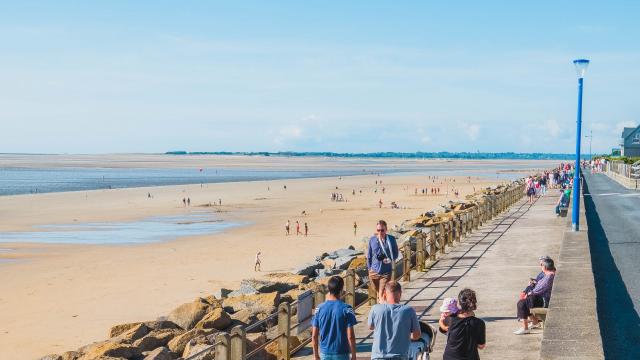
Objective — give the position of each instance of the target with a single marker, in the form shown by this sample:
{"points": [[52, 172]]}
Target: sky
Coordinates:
{"points": [[341, 76]]}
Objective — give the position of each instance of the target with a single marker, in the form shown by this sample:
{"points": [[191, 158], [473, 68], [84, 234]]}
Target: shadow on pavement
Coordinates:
{"points": [[619, 322]]}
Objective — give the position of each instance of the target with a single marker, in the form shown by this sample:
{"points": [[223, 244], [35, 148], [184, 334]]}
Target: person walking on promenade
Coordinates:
{"points": [[256, 266], [306, 229], [466, 333], [355, 228], [332, 334], [287, 227], [298, 228], [382, 252], [538, 297], [394, 325]]}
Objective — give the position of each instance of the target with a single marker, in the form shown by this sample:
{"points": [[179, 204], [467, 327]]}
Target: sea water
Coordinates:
{"points": [[148, 230]]}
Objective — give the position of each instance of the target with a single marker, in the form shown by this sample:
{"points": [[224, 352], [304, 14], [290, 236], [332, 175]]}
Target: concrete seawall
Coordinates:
{"points": [[572, 330]]}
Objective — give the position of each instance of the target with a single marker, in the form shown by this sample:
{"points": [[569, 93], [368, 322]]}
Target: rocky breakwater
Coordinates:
{"points": [[193, 327]]}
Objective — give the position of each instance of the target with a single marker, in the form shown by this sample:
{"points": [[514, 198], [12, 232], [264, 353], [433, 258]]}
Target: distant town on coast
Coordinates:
{"points": [[396, 155]]}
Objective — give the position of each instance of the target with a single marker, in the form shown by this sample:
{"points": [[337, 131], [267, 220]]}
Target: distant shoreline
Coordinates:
{"points": [[441, 155]]}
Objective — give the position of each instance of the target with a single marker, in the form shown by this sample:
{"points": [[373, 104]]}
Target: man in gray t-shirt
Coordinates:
{"points": [[394, 325]]}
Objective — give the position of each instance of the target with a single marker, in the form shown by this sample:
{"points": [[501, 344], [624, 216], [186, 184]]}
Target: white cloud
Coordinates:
{"points": [[471, 130], [553, 127]]}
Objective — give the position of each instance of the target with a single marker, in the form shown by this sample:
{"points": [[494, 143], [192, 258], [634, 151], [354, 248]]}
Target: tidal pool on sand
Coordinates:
{"points": [[149, 230]]}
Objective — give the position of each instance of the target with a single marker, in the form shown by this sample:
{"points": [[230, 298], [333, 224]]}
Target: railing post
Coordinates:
{"points": [[222, 350], [284, 330], [318, 297], [432, 243], [238, 343], [350, 288], [406, 263], [420, 258], [441, 238], [458, 228], [450, 232], [476, 211], [372, 294]]}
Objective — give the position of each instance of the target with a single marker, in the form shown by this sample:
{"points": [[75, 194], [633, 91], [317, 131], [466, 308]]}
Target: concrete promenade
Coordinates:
{"points": [[496, 261]]}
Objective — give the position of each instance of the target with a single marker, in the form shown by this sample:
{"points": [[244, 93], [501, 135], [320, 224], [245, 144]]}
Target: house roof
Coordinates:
{"points": [[628, 131]]}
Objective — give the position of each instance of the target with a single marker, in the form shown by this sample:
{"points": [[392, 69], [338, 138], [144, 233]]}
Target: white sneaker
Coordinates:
{"points": [[521, 331]]}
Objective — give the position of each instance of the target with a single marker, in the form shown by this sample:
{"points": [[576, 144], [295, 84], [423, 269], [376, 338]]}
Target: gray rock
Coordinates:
{"points": [[266, 286], [344, 253], [308, 269], [222, 293], [244, 289], [342, 263]]}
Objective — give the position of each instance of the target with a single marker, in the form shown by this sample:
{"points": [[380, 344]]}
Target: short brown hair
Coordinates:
{"points": [[382, 223], [393, 287]]}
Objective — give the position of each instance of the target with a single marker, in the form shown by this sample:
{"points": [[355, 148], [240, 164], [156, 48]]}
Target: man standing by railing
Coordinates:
{"points": [[381, 254], [333, 325]]}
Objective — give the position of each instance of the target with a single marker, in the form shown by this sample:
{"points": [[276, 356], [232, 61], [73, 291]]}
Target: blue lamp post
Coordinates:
{"points": [[581, 68]]}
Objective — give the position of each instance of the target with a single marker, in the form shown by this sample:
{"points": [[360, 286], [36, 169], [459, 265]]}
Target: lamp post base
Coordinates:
{"points": [[575, 227]]}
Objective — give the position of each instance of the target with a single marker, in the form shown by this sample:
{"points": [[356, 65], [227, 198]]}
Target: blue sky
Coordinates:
{"points": [[357, 76]]}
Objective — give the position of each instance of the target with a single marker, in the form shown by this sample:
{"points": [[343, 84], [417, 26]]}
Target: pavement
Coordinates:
{"points": [[496, 261], [613, 216]]}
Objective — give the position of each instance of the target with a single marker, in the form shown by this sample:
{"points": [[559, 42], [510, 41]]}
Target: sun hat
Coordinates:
{"points": [[449, 305]]}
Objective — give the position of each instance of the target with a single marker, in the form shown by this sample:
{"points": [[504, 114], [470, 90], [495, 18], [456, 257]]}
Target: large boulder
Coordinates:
{"points": [[358, 262], [109, 348], [178, 343], [162, 325], [238, 303], [187, 315], [343, 262], [191, 350], [132, 334], [161, 353], [288, 278], [51, 357], [244, 289], [156, 338], [252, 315], [120, 328], [308, 269], [216, 319], [267, 286], [71, 355], [344, 253]]}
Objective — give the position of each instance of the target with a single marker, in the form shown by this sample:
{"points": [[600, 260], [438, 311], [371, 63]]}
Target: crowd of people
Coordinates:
{"points": [[396, 325]]}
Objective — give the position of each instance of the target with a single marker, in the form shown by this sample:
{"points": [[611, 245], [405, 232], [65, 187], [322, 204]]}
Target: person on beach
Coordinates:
{"points": [[394, 325], [287, 227], [184, 202], [306, 229], [380, 203], [332, 335], [382, 251], [466, 334], [298, 228], [355, 228], [188, 201], [256, 266]]}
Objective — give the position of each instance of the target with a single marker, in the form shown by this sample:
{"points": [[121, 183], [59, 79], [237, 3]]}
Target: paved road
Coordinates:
{"points": [[613, 215]]}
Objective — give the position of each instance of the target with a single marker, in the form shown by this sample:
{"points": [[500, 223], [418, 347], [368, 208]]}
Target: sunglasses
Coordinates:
{"points": [[381, 230]]}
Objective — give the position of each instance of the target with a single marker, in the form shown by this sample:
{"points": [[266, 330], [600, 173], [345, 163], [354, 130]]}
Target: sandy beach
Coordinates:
{"points": [[55, 297]]}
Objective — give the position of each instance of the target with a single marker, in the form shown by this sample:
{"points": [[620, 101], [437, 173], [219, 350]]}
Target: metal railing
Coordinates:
{"points": [[431, 241]]}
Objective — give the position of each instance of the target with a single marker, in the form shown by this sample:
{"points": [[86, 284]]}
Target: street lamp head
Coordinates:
{"points": [[581, 67]]}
